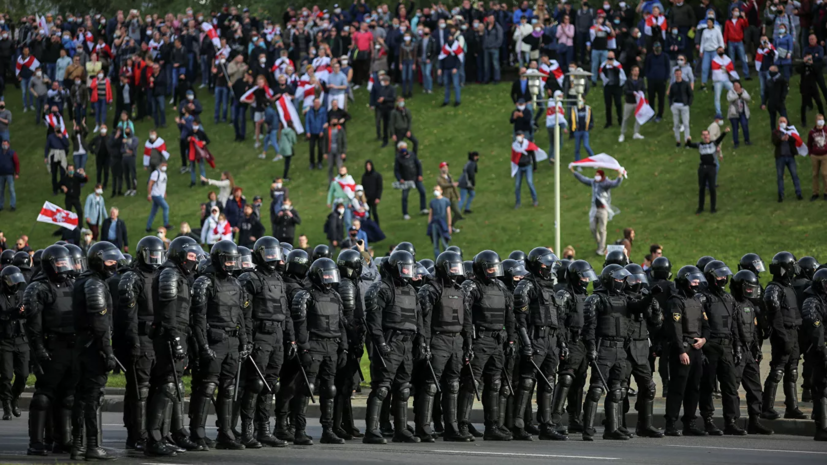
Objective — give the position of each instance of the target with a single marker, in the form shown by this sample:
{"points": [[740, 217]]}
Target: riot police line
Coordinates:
{"points": [[262, 330]]}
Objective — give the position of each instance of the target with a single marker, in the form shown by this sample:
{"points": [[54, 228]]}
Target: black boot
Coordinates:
{"points": [[611, 431], [199, 404], [768, 400], [372, 433], [62, 430], [820, 410], [520, 407], [300, 421], [453, 432], [465, 402], [548, 429], [385, 417], [400, 419], [248, 435], [226, 439], [37, 424], [326, 419], [710, 428], [755, 427], [644, 424], [246, 410], [806, 395], [492, 416], [139, 419], [575, 404], [621, 415], [338, 415], [589, 411], [155, 418], [732, 429], [791, 401], [93, 449], [690, 429], [15, 410], [6, 410], [78, 433], [422, 415], [348, 422], [560, 396], [283, 429], [671, 429]]}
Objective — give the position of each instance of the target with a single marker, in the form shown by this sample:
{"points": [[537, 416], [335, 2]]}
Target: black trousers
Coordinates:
{"points": [[707, 176], [57, 174], [487, 365], [102, 167], [400, 136], [374, 209], [720, 364], [74, 203], [684, 385], [637, 365], [130, 176], [92, 377], [286, 174], [577, 366], [320, 371], [447, 359], [611, 361], [781, 360], [137, 384], [748, 374], [116, 165], [383, 116], [14, 363], [657, 90], [398, 364], [268, 355], [184, 151], [316, 142], [806, 101], [613, 94], [221, 372]]}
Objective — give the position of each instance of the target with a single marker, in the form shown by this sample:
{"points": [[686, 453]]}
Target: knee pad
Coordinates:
{"points": [[616, 395], [403, 391], [143, 393], [594, 394], [255, 386], [311, 387], [526, 384], [381, 392], [547, 387], [68, 402], [169, 390], [40, 402], [453, 387], [276, 387], [776, 375], [429, 389], [496, 384], [566, 380], [792, 375], [328, 390], [227, 392], [207, 389], [651, 390]]}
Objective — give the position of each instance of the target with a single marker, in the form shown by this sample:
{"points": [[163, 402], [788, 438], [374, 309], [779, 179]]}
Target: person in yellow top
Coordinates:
{"points": [[450, 192], [581, 124]]}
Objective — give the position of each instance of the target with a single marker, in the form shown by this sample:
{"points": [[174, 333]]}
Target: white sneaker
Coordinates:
{"points": [[406, 217], [25, 109], [637, 136], [356, 86], [171, 101], [201, 86], [261, 156], [423, 211], [621, 138], [681, 128], [96, 128], [455, 230], [277, 158], [257, 145]]}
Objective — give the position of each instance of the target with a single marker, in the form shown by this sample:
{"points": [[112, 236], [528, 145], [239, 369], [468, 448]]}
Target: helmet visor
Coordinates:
{"points": [[272, 254], [588, 275], [752, 291], [246, 262], [330, 276], [518, 270], [62, 265], [759, 266], [695, 277], [229, 262], [406, 270], [153, 257], [454, 269], [107, 255], [12, 280], [722, 272], [636, 279], [493, 270], [80, 264]]}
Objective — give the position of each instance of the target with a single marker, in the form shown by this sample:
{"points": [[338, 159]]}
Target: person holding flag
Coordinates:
{"points": [[631, 89], [601, 211], [555, 116], [787, 143], [722, 70], [451, 58], [24, 70], [523, 164]]}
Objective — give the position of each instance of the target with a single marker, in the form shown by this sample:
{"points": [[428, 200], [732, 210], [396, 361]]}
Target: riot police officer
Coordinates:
{"points": [[321, 251], [136, 303], [686, 327], [540, 324], [513, 272], [561, 282], [784, 318], [616, 257], [272, 328], [746, 291], [14, 347], [807, 268], [23, 262], [641, 325], [445, 336], [79, 260], [218, 305], [91, 304], [722, 351], [571, 377], [491, 306], [171, 303], [51, 330], [661, 288], [321, 338], [814, 317], [6, 258], [393, 319], [350, 290]]}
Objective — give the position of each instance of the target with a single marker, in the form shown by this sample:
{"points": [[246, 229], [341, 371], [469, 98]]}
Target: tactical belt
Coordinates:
{"points": [[612, 343], [399, 335], [482, 332], [721, 341], [318, 338], [446, 333], [543, 331], [231, 332]]}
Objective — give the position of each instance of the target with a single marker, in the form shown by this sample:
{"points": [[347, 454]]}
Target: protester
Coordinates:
{"points": [[449, 191], [9, 171], [526, 166], [334, 142], [372, 184], [776, 93], [113, 230], [408, 173], [225, 184], [285, 221], [631, 88], [71, 185], [817, 148], [467, 183], [601, 211], [401, 124], [334, 227], [157, 195], [129, 149], [738, 112], [249, 228], [707, 170], [94, 210], [57, 144], [439, 221], [785, 152]]}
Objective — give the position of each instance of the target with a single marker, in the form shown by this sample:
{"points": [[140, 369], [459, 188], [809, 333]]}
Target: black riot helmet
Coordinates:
{"points": [[6, 258], [468, 268], [662, 268], [79, 262], [349, 263], [61, 243], [783, 267], [454, 248], [56, 262], [36, 258], [745, 285], [421, 276], [12, 279], [518, 255], [224, 257], [427, 263], [563, 269], [613, 278], [702, 262], [752, 262], [185, 253], [321, 251], [580, 274], [286, 248], [448, 266], [616, 257], [638, 279], [323, 273], [514, 270], [686, 278], [126, 261], [245, 260], [400, 265], [819, 284], [22, 260], [297, 263], [104, 258], [717, 274], [406, 246], [487, 265], [808, 266], [267, 252], [542, 263], [150, 252]]}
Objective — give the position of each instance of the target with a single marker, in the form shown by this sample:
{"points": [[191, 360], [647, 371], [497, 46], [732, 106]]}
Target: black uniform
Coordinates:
{"points": [[800, 284], [446, 332], [722, 347], [218, 305], [135, 303], [660, 340], [748, 372], [51, 330], [814, 315], [14, 351], [271, 329], [684, 323], [539, 319], [572, 373], [642, 325], [784, 319], [350, 290], [290, 373]]}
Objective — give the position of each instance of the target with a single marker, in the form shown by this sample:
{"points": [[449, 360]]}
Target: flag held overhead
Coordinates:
{"points": [[52, 214]]}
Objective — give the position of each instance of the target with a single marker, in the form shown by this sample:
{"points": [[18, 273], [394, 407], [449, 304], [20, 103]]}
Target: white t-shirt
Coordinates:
{"points": [[160, 186]]}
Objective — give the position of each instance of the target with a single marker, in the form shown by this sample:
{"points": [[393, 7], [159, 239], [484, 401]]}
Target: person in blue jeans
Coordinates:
{"points": [[492, 43], [222, 93], [439, 217], [468, 183], [157, 193], [738, 112], [197, 135], [449, 72], [785, 152], [525, 168], [9, 171], [24, 76], [581, 123]]}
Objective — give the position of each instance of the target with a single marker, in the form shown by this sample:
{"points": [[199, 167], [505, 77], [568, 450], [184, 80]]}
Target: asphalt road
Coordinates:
{"points": [[770, 450]]}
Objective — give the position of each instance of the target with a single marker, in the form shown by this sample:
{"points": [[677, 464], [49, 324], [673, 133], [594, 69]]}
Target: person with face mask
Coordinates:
{"points": [[14, 346], [451, 59], [614, 78], [401, 124], [129, 149], [582, 123], [708, 168], [157, 194], [101, 98], [439, 221], [334, 227], [784, 37], [785, 152], [91, 303], [601, 211], [808, 86], [95, 210], [817, 148]]}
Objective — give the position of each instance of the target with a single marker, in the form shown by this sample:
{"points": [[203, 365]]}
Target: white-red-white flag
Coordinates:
{"points": [[42, 24], [643, 111], [52, 214], [599, 161], [30, 63], [288, 113], [455, 49], [518, 149], [212, 34], [800, 146], [761, 53], [158, 145], [552, 69], [55, 121], [370, 83]]}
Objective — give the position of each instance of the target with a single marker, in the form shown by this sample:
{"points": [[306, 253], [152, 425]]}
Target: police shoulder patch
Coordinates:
{"points": [[817, 323], [706, 317], [676, 316], [103, 312]]}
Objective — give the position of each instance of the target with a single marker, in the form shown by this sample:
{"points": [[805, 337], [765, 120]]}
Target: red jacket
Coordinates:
{"points": [[93, 91], [734, 31], [817, 141]]}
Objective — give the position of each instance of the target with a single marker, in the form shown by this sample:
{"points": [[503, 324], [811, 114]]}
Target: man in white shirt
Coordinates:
{"points": [[157, 194]]}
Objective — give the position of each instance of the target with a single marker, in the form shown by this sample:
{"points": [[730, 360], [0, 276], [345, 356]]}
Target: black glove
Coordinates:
{"points": [[244, 351], [136, 352], [178, 352], [42, 355], [384, 349], [207, 354], [591, 354], [526, 350], [510, 350], [426, 352], [738, 355], [109, 361], [305, 358], [292, 349], [564, 352], [342, 360], [468, 354]]}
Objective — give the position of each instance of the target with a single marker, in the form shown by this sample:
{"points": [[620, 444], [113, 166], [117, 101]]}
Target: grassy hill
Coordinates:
{"points": [[658, 199]]}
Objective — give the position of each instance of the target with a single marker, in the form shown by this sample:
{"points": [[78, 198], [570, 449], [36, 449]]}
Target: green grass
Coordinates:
{"points": [[658, 199]]}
